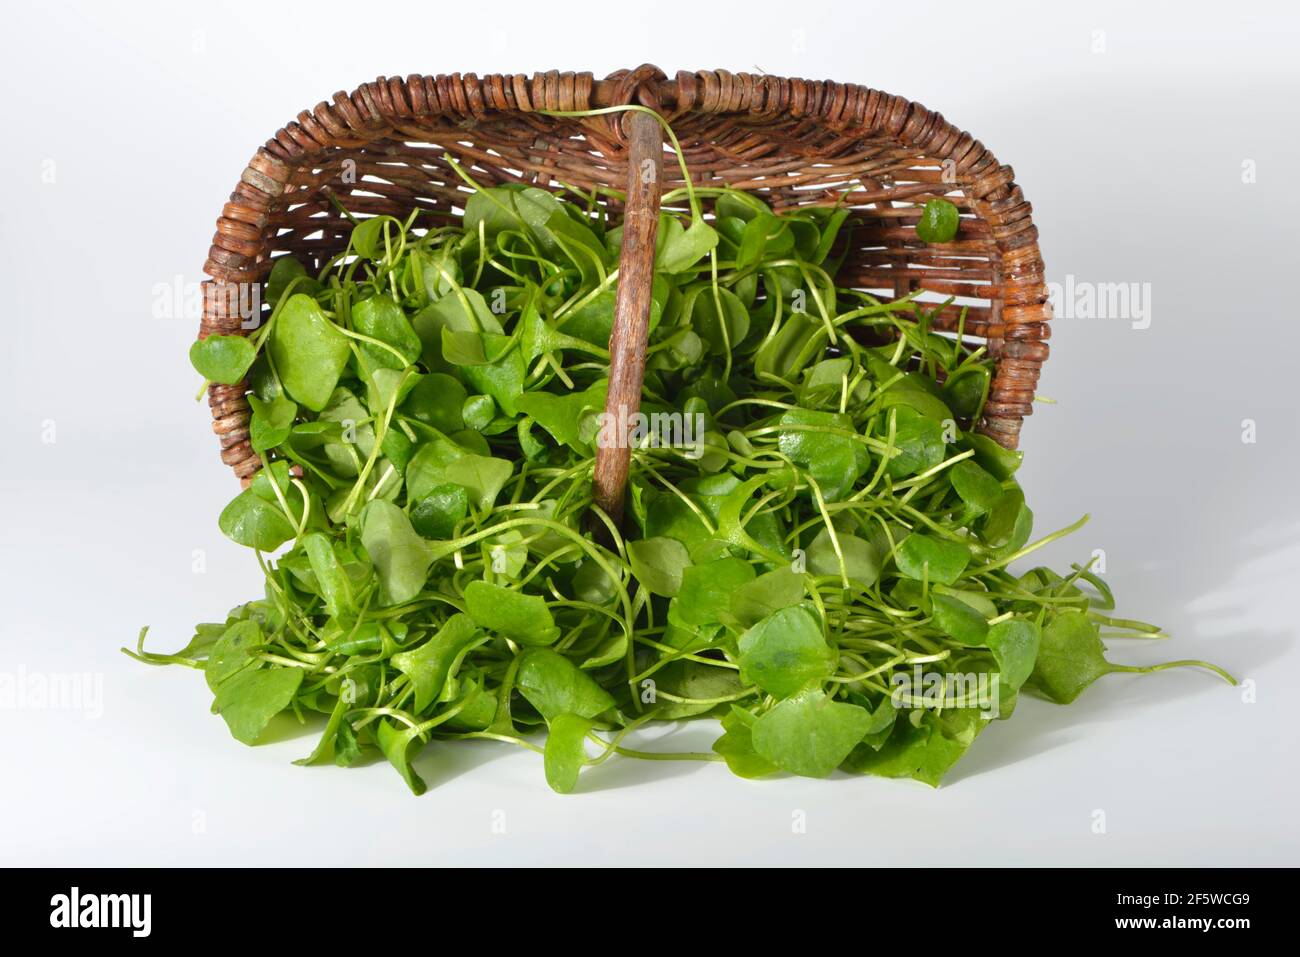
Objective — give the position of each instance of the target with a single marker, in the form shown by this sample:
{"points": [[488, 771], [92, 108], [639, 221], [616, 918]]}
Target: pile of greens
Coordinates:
{"points": [[820, 570]]}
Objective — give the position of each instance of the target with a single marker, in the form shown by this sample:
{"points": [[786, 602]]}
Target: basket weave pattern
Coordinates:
{"points": [[379, 150]]}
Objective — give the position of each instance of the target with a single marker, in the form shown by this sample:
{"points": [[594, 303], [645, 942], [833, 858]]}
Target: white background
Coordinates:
{"points": [[144, 116]]}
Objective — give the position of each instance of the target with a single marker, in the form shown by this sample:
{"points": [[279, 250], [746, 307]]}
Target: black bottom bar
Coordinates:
{"points": [[215, 906]]}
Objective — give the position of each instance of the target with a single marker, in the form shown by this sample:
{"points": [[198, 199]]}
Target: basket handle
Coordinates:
{"points": [[631, 329]]}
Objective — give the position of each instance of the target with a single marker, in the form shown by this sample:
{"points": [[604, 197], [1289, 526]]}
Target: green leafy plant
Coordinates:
{"points": [[938, 223], [427, 409]]}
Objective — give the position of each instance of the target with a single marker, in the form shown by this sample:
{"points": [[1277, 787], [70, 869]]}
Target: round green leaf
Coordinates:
{"points": [[939, 222], [786, 651], [554, 685], [810, 734], [706, 590], [308, 351], [1070, 657], [436, 515], [509, 612], [976, 487], [860, 563], [247, 701], [251, 520], [922, 557], [223, 359], [721, 321], [959, 621], [658, 563], [566, 752], [1014, 644]]}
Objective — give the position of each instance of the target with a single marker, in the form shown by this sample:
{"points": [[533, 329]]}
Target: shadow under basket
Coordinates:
{"points": [[380, 149]]}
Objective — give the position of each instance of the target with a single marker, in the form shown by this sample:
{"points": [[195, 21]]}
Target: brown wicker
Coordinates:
{"points": [[794, 142]]}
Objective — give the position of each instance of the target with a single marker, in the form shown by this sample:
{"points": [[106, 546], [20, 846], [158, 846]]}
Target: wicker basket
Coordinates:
{"points": [[794, 142]]}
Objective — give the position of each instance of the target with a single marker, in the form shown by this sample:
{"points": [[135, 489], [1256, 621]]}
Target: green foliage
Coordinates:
{"points": [[939, 222], [223, 359], [426, 408]]}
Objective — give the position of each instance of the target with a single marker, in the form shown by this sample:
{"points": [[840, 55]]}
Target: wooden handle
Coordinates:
{"points": [[627, 339]]}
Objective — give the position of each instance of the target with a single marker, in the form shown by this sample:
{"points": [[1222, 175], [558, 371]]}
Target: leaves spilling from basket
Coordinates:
{"points": [[817, 548]]}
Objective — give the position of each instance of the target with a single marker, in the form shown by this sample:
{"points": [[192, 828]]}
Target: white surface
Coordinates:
{"points": [[1133, 160]]}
